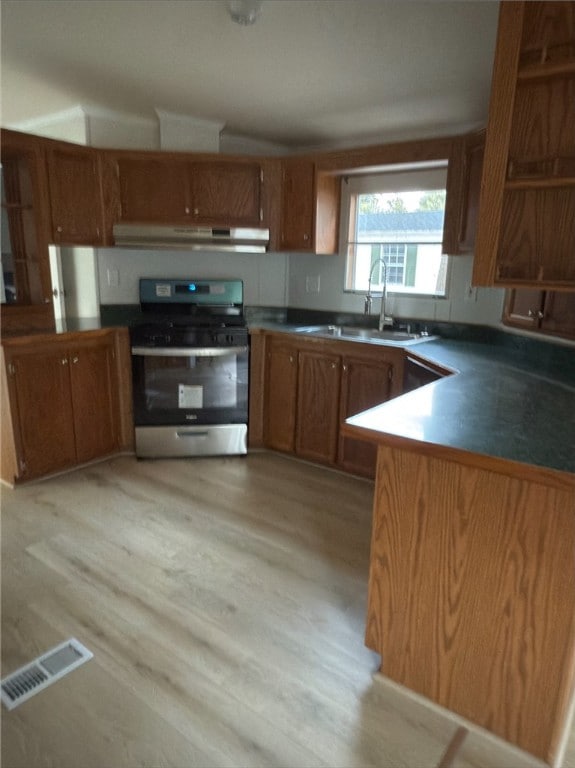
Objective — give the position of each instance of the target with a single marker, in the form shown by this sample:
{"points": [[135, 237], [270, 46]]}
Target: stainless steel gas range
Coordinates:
{"points": [[190, 363]]}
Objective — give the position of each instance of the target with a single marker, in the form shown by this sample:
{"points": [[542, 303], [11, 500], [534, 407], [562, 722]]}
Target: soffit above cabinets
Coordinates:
{"points": [[307, 74]]}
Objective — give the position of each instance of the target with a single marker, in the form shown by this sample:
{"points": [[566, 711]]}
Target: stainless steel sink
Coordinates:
{"points": [[390, 336]]}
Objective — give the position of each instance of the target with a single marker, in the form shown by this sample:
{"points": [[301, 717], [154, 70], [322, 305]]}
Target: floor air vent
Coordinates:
{"points": [[42, 672]]}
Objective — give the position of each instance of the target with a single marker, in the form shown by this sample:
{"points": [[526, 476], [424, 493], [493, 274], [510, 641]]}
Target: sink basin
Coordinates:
{"points": [[389, 335]]}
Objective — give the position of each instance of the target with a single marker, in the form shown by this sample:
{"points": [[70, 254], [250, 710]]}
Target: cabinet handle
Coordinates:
{"points": [[306, 237], [196, 211], [64, 361], [334, 365], [344, 367], [186, 209], [536, 313], [291, 358], [58, 229], [75, 359]]}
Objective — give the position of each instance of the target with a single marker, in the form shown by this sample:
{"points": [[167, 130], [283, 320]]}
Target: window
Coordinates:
{"points": [[395, 231]]}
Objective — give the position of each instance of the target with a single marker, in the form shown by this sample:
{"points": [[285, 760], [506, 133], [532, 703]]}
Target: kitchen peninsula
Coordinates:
{"points": [[472, 583]]}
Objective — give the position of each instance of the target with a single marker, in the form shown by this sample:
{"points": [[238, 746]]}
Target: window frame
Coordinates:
{"points": [[394, 178]]}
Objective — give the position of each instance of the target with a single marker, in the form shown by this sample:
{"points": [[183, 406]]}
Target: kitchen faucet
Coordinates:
{"points": [[383, 318]]}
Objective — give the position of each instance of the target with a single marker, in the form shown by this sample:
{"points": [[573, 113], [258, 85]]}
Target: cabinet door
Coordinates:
{"points": [[281, 396], [225, 192], [75, 195], [365, 383], [559, 314], [94, 399], [526, 233], [153, 190], [297, 205], [318, 406], [463, 188], [27, 299], [474, 152], [42, 410], [524, 308]]}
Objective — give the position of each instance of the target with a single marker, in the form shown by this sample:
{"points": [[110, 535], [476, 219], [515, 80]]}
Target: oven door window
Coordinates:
{"points": [[188, 388]]}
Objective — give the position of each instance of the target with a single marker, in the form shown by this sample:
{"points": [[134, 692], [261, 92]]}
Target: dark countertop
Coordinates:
{"points": [[491, 406], [504, 403]]}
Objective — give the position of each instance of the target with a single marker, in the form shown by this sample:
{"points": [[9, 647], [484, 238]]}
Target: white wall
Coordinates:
{"points": [[481, 305], [280, 280], [114, 131], [163, 130], [264, 274], [68, 125], [80, 278]]}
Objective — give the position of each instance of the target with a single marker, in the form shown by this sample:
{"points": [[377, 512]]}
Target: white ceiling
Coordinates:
{"points": [[308, 73]]}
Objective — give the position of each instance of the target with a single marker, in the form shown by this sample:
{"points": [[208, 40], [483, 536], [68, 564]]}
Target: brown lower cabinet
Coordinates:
{"points": [[312, 385], [366, 382], [280, 394], [65, 401], [318, 388], [549, 312]]}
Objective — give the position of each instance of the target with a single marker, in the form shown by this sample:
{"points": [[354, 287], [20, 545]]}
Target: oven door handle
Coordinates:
{"points": [[188, 351]]}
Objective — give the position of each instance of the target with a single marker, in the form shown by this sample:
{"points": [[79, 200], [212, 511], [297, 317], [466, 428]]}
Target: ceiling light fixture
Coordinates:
{"points": [[244, 12]]}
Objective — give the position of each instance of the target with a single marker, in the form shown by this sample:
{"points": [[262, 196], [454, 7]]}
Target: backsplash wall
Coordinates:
{"points": [[281, 280], [480, 305], [265, 275]]}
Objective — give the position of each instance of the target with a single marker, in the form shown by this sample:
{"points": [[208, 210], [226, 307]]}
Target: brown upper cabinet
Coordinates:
{"points": [[526, 232], [27, 301], [309, 208], [463, 184], [76, 195], [548, 312], [165, 188], [227, 191]]}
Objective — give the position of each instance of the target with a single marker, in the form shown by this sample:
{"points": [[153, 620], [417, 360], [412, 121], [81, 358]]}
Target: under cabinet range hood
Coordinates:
{"points": [[242, 239]]}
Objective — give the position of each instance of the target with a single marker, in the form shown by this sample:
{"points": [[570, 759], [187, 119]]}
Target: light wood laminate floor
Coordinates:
{"points": [[224, 601]]}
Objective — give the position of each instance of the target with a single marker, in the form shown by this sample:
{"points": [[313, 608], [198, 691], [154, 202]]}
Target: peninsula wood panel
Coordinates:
{"points": [[472, 596]]}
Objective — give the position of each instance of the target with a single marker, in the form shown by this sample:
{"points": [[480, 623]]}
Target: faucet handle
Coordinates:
{"points": [[367, 305]]}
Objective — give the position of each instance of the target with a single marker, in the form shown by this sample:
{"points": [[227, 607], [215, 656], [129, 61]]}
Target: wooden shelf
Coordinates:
{"points": [[17, 206], [548, 182], [508, 281], [546, 70]]}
